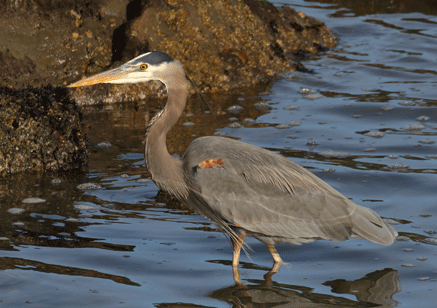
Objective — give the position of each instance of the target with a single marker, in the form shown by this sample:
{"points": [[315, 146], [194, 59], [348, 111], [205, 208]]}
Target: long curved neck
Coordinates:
{"points": [[167, 171]]}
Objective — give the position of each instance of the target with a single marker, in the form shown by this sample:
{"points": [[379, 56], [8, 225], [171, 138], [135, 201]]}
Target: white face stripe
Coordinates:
{"points": [[135, 59]]}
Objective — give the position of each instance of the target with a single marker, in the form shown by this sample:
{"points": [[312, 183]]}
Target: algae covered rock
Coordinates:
{"points": [[226, 44], [223, 45], [40, 129]]}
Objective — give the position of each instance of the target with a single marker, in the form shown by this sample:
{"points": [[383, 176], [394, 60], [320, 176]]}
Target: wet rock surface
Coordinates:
{"points": [[223, 44], [226, 44], [40, 129], [53, 42]]}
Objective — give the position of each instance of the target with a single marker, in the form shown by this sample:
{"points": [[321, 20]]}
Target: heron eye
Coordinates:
{"points": [[143, 66]]}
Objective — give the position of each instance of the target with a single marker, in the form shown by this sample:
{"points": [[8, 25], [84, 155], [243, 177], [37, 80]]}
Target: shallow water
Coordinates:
{"points": [[356, 124]]}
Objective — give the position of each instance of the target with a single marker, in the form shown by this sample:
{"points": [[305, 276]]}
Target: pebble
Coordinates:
{"points": [[408, 249], [219, 134], [430, 240], [292, 137], [104, 144], [423, 278], [235, 109], [288, 125], [303, 90], [414, 127], [402, 238], [369, 150], [84, 207], [408, 265], [261, 105], [422, 258], [124, 175], [388, 108], [235, 125], [233, 119], [375, 134], [248, 121], [188, 124], [406, 104], [426, 141], [291, 107], [330, 153], [33, 200], [15, 211], [56, 181], [144, 180], [357, 116], [422, 119], [398, 166], [329, 170], [89, 186], [430, 232], [312, 96]]}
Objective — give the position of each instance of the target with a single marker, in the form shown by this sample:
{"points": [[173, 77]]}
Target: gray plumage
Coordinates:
{"points": [[273, 198], [243, 189]]}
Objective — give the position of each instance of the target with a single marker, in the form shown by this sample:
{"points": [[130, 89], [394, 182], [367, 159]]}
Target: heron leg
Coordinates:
{"points": [[237, 243], [276, 266], [274, 253]]}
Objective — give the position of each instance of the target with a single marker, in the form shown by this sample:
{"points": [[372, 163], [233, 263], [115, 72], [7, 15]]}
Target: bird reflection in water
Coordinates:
{"points": [[374, 289]]}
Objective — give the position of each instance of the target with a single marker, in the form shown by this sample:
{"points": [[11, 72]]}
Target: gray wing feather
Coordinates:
{"points": [[268, 194]]}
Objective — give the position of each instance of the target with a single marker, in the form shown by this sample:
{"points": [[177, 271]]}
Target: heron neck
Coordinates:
{"points": [[166, 170]]}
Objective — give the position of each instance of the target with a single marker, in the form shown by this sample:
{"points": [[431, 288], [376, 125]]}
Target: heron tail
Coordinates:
{"points": [[366, 224]]}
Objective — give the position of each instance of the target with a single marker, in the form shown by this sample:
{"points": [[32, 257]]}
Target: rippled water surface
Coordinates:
{"points": [[363, 117]]}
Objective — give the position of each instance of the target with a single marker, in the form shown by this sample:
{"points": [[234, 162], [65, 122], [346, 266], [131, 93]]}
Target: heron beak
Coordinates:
{"points": [[104, 77]]}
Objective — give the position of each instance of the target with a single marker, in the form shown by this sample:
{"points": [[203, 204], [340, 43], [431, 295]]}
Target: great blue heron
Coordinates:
{"points": [[243, 189]]}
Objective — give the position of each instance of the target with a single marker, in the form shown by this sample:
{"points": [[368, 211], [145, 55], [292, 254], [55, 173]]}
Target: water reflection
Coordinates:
{"points": [[376, 288], [7, 263]]}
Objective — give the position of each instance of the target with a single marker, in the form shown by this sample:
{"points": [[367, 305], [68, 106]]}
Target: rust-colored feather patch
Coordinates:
{"points": [[211, 163]]}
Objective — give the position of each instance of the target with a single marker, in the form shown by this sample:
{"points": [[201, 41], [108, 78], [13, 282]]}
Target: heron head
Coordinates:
{"points": [[149, 66]]}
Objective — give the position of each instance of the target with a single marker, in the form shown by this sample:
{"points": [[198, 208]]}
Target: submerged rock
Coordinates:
{"points": [[15, 211], [88, 186], [33, 200], [40, 129]]}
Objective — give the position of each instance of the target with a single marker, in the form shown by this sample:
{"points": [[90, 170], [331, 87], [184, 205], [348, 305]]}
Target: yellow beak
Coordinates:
{"points": [[104, 77]]}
